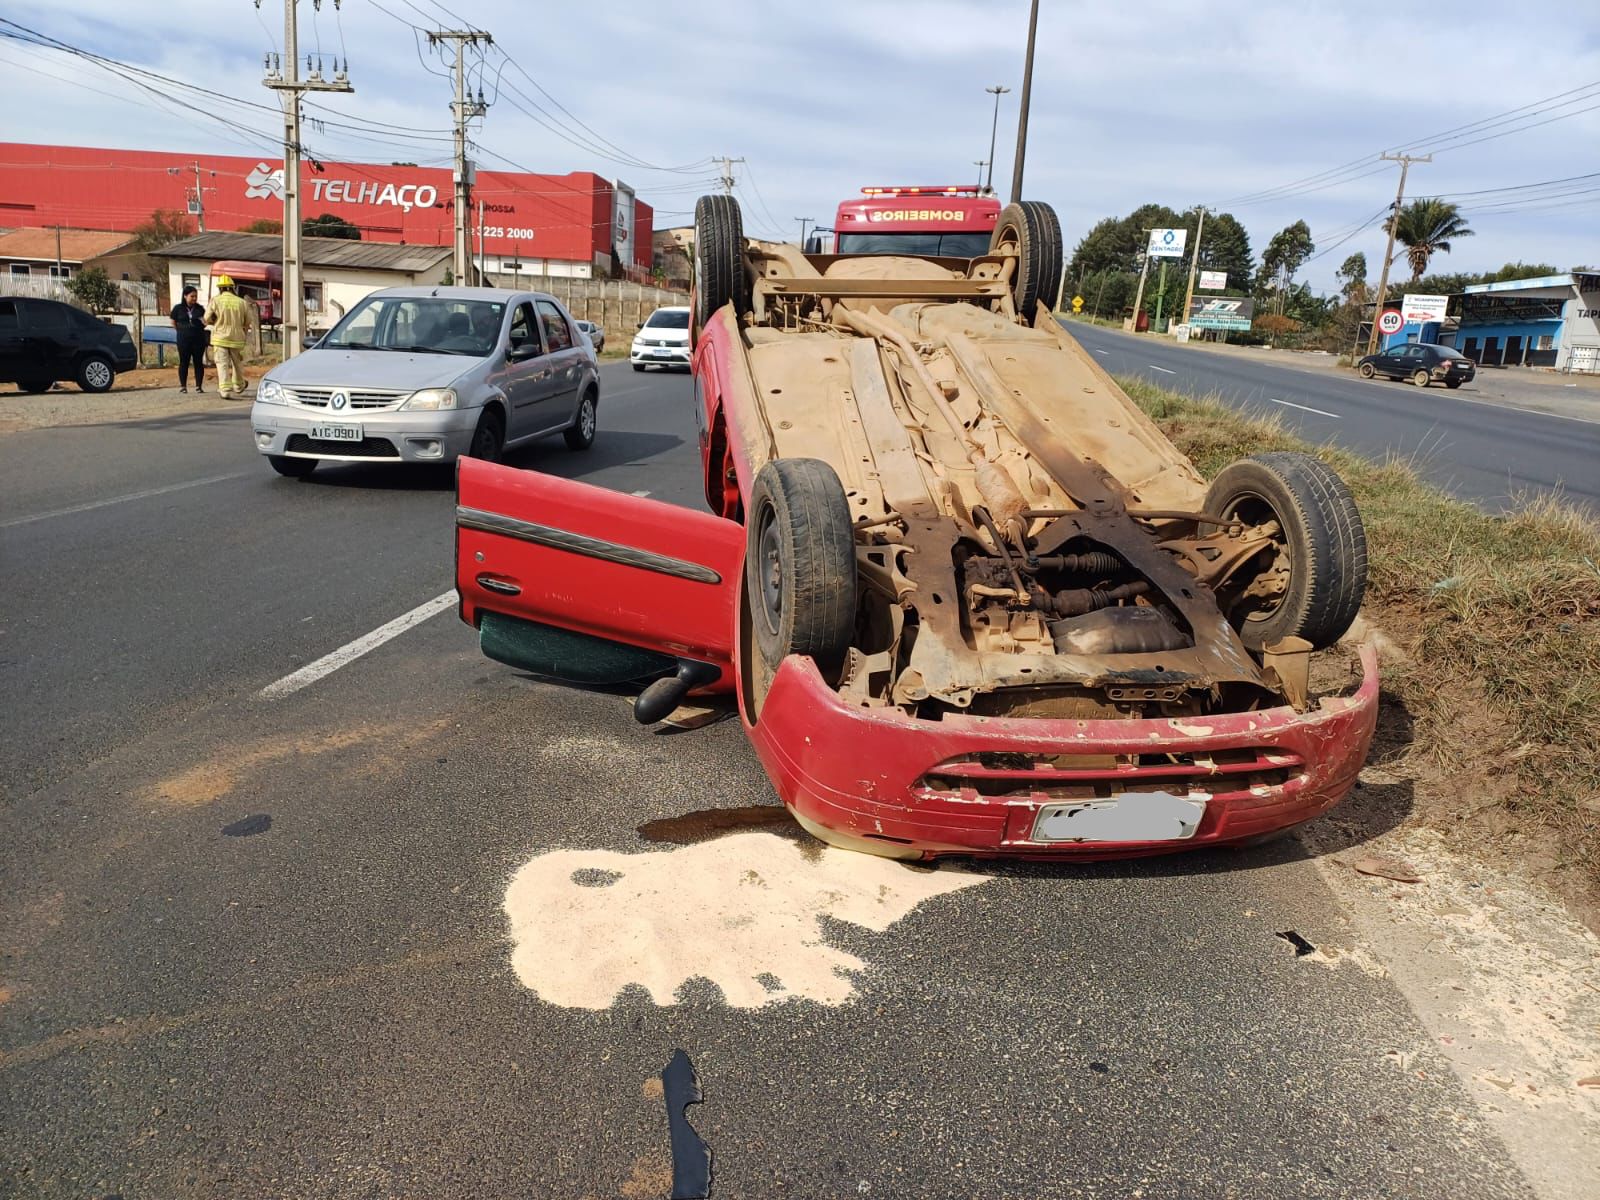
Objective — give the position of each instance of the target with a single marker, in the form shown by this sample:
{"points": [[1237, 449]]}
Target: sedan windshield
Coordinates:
{"points": [[666, 318], [420, 324]]}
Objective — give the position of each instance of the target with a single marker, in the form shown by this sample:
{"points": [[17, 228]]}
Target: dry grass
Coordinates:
{"points": [[1500, 616]]}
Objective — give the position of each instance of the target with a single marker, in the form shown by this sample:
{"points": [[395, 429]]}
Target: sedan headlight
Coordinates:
{"points": [[430, 400], [271, 392]]}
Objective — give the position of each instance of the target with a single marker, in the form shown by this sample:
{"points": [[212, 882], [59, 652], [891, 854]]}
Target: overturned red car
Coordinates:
{"points": [[968, 597]]}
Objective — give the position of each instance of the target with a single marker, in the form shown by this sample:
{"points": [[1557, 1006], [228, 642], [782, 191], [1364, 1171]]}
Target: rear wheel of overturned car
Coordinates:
{"points": [[294, 468], [489, 437], [581, 435], [1310, 584], [800, 566], [1367, 370], [94, 373], [719, 274], [1420, 378], [1030, 230]]}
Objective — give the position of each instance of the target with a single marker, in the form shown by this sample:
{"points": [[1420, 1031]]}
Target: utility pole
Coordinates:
{"points": [[1405, 161], [727, 174], [1138, 299], [981, 163], [283, 77], [1194, 265], [58, 252], [464, 108], [199, 202], [1161, 296], [804, 221], [994, 128], [1022, 117], [483, 259]]}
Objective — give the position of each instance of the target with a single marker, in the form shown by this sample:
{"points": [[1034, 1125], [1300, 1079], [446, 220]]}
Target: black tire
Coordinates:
{"points": [[1453, 384], [94, 373], [638, 366], [293, 468], [1420, 378], [34, 386], [1323, 545], [1367, 370], [489, 438], [581, 435], [719, 274], [800, 563], [1031, 230]]}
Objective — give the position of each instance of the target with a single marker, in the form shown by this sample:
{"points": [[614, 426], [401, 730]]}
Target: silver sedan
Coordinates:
{"points": [[427, 374]]}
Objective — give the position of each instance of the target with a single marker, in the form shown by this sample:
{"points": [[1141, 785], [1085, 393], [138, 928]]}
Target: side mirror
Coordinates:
{"points": [[522, 352]]}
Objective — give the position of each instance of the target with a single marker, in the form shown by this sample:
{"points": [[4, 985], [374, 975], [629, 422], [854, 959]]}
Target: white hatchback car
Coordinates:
{"points": [[662, 341]]}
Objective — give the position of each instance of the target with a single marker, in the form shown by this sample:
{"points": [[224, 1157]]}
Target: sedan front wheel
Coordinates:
{"points": [[1367, 371]]}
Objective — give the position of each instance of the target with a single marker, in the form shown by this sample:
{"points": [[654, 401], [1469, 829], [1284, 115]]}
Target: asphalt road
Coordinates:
{"points": [[198, 1002], [1486, 453]]}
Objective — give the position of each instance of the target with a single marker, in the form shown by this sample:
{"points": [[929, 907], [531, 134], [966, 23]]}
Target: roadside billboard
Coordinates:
{"points": [[1167, 243], [1422, 309], [1213, 281], [1221, 312]]}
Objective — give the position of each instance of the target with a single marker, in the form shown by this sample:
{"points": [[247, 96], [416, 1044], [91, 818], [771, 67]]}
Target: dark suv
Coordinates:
{"points": [[1421, 363], [43, 341]]}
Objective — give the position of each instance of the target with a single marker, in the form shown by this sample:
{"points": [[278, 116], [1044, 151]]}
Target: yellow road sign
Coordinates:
{"points": [[1077, 304]]}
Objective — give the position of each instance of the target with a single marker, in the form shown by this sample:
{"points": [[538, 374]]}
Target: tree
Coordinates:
{"points": [[164, 227], [1285, 254], [263, 225], [1426, 227], [1352, 277], [94, 289], [329, 225]]}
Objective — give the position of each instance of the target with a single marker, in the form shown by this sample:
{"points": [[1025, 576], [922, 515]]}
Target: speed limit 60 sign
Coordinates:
{"points": [[1391, 322]]}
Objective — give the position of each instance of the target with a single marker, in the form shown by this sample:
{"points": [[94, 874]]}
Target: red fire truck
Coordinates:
{"points": [[945, 222]]}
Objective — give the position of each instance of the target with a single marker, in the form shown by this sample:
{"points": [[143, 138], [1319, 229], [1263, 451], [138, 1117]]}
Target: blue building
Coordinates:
{"points": [[1552, 321]]}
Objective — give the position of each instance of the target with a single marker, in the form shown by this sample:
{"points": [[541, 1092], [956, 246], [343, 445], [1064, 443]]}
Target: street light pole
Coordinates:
{"points": [[1022, 116], [994, 128], [981, 164]]}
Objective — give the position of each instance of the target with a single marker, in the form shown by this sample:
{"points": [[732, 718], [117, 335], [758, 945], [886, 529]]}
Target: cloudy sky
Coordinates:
{"points": [[1133, 101]]}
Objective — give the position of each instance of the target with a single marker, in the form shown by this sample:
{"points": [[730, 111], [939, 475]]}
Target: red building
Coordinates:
{"points": [[560, 224]]}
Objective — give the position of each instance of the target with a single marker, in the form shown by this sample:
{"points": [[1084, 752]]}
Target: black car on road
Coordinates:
{"points": [[45, 341], [1421, 363]]}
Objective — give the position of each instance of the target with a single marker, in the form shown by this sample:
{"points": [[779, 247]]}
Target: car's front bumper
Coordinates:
{"points": [[881, 781], [661, 356], [397, 436]]}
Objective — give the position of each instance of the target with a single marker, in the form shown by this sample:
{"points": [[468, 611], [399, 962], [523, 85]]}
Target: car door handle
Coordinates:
{"points": [[490, 584]]}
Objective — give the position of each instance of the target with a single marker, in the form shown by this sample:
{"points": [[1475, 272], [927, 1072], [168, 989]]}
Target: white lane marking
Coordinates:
{"points": [[1102, 352], [348, 653], [1163, 370], [1305, 408], [641, 494], [148, 492]]}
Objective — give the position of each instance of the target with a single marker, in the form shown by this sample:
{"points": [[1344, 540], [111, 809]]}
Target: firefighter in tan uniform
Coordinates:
{"points": [[229, 318]]}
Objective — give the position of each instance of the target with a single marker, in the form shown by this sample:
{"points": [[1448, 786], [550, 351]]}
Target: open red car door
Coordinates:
{"points": [[592, 587]]}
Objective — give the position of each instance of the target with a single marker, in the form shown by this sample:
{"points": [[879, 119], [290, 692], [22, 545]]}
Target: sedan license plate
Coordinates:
{"points": [[661, 354], [336, 433], [1132, 817]]}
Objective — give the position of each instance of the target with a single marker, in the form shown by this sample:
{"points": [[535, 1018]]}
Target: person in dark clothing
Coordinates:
{"points": [[189, 319]]}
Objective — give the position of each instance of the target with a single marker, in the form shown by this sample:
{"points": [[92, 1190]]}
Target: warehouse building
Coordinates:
{"points": [[576, 225], [1551, 321]]}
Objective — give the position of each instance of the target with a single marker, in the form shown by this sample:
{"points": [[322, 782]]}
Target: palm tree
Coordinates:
{"points": [[1426, 226]]}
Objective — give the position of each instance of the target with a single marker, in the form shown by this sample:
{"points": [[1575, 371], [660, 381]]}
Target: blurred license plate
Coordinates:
{"points": [[1135, 817], [661, 354], [336, 433]]}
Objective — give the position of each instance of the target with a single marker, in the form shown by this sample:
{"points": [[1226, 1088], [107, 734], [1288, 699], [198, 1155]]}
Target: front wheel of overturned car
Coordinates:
{"points": [[1310, 583], [1031, 231], [719, 258], [580, 436], [800, 564], [293, 468]]}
